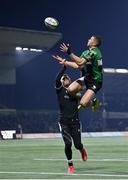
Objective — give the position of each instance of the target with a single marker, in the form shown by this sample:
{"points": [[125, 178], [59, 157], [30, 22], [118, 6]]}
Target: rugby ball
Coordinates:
{"points": [[51, 22]]}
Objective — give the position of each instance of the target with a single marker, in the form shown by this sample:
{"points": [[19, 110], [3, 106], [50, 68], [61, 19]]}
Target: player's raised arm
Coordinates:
{"points": [[66, 49], [65, 62], [58, 83]]}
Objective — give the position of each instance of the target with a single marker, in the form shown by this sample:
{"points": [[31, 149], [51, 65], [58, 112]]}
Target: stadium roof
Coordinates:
{"points": [[10, 38]]}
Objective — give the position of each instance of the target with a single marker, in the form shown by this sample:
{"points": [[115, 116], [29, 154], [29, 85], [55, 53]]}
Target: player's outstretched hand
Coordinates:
{"points": [[65, 48], [59, 59]]}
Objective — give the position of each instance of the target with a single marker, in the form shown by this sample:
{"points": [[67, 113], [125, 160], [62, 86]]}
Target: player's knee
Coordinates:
{"points": [[68, 147], [68, 144], [78, 146], [84, 103], [69, 89]]}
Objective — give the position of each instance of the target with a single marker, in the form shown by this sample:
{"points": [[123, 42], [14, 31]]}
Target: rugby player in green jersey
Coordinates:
{"points": [[92, 60]]}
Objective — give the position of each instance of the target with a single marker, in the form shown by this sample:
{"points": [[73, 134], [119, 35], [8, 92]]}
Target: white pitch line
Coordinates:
{"points": [[97, 160], [75, 174]]}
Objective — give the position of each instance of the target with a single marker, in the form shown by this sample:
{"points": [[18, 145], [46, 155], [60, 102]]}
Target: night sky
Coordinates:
{"points": [[78, 21]]}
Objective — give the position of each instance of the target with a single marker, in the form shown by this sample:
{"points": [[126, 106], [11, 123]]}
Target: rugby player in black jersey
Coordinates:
{"points": [[69, 122]]}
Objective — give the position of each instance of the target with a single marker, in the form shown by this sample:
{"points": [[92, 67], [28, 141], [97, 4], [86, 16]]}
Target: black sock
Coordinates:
{"points": [[70, 163]]}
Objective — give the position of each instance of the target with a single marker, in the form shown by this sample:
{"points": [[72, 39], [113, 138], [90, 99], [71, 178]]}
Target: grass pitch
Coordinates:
{"points": [[45, 159]]}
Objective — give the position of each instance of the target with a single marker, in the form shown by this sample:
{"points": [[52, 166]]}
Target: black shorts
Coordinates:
{"points": [[90, 84], [71, 132], [71, 127]]}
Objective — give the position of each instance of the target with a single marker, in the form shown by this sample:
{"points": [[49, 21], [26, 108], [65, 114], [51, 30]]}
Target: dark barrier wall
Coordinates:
{"points": [[112, 114]]}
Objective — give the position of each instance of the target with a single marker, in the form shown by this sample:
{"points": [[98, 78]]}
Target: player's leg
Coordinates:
{"points": [[89, 98], [86, 98], [95, 104], [65, 131], [76, 135], [74, 88]]}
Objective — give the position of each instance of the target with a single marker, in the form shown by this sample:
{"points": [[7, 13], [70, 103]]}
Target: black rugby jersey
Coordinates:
{"points": [[67, 103]]}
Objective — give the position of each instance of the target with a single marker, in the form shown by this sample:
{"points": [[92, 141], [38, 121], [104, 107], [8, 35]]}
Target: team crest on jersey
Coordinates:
{"points": [[100, 63], [66, 96], [94, 87]]}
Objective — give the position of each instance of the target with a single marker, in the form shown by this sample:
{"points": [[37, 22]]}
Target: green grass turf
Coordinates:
{"points": [[23, 159]]}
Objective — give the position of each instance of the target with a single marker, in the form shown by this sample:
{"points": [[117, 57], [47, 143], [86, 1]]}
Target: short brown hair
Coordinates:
{"points": [[98, 39]]}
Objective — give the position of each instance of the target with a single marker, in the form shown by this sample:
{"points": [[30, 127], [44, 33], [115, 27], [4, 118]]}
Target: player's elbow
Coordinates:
{"points": [[76, 66], [81, 62]]}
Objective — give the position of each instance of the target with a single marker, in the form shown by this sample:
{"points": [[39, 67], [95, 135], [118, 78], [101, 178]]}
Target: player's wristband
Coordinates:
{"points": [[69, 51]]}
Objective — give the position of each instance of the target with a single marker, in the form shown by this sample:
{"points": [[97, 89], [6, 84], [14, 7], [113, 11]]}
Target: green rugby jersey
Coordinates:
{"points": [[94, 63]]}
